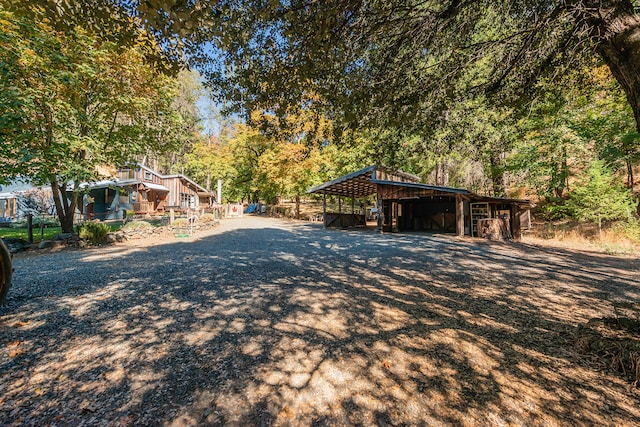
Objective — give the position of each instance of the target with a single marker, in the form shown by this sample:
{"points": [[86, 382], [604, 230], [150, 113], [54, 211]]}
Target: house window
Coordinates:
{"points": [[127, 173], [187, 201], [148, 176]]}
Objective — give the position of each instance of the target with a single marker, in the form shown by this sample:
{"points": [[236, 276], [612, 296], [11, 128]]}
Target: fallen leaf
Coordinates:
{"points": [[286, 412], [20, 324]]}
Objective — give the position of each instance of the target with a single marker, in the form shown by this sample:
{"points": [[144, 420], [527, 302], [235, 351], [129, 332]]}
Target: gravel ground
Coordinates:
{"points": [[270, 322]]}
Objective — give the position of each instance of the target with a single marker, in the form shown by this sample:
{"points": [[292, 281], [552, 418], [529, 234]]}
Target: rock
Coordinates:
{"points": [[64, 236], [46, 244], [16, 245], [110, 238]]}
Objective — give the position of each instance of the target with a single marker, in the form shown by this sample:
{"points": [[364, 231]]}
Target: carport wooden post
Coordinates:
{"points": [[340, 211], [459, 216], [353, 212], [516, 227], [324, 210]]}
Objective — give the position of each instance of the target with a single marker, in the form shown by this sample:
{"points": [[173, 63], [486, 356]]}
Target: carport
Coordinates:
{"points": [[405, 204]]}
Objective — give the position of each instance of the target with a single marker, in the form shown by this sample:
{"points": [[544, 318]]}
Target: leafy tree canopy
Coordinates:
{"points": [[406, 63], [375, 62]]}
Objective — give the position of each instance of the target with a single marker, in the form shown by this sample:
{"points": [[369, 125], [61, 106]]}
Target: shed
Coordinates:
{"points": [[405, 204]]}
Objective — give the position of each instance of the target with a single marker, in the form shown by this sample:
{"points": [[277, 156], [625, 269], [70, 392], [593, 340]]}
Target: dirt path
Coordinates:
{"points": [[269, 322]]}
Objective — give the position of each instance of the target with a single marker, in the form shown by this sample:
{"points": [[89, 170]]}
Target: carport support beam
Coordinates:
{"points": [[324, 210], [459, 216]]}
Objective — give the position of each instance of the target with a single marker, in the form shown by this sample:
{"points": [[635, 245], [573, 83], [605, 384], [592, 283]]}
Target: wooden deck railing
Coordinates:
{"points": [[143, 207]]}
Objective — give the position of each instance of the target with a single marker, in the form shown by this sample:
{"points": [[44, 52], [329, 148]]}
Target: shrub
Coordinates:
{"points": [[180, 222], [600, 197], [136, 225], [554, 210], [629, 229], [205, 218], [93, 232]]}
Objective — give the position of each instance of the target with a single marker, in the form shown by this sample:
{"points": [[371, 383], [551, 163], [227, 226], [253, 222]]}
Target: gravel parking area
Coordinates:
{"points": [[270, 322]]}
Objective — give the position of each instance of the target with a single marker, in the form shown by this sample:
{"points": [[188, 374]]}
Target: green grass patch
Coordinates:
{"points": [[49, 232], [21, 233]]}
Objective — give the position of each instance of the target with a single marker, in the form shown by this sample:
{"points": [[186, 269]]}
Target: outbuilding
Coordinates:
{"points": [[403, 203]]}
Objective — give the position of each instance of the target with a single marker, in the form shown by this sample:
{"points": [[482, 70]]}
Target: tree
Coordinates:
{"points": [[581, 118], [367, 60], [600, 197], [399, 61], [69, 103], [187, 131]]}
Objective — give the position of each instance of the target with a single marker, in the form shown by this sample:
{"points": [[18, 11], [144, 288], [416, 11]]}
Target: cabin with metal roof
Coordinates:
{"points": [[403, 203]]}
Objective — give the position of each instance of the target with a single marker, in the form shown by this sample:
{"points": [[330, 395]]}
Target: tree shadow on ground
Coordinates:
{"points": [[296, 325]]}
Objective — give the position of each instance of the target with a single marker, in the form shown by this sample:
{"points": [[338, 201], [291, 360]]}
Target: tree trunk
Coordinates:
{"points": [[565, 168], [297, 206], [442, 173], [616, 29], [30, 228], [64, 208], [600, 227], [497, 175]]}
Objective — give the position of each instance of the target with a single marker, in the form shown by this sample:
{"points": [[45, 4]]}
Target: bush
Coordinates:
{"points": [[600, 197], [136, 225], [93, 232], [205, 218], [47, 222], [554, 210], [629, 229], [180, 222]]}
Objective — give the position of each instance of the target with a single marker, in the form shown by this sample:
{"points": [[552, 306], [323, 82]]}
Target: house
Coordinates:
{"points": [[406, 204], [141, 190], [11, 210]]}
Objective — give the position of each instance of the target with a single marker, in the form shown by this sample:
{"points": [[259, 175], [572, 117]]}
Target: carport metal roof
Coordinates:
{"points": [[364, 183], [356, 184]]}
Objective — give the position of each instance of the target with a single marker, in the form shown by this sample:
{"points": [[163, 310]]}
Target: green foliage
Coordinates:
{"points": [[599, 197], [93, 232], [46, 221], [554, 210], [630, 229]]}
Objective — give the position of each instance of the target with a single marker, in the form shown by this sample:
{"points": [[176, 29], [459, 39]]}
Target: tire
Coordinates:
{"points": [[6, 271]]}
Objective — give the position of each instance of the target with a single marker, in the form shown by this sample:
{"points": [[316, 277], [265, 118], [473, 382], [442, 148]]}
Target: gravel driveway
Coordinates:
{"points": [[269, 322]]}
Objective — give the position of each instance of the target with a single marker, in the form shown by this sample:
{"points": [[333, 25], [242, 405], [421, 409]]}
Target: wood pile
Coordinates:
{"points": [[494, 229]]}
